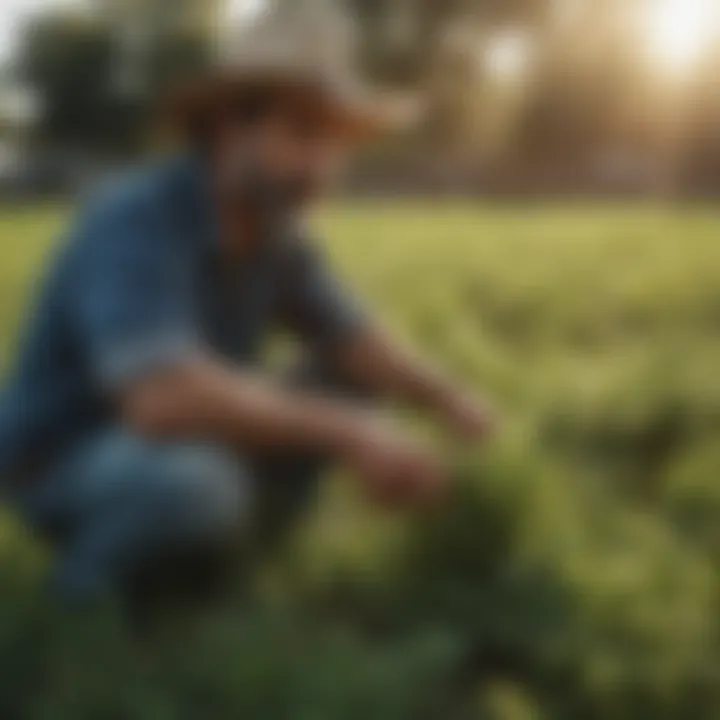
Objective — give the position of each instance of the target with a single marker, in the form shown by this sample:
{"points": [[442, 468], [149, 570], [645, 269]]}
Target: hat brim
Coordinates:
{"points": [[350, 114]]}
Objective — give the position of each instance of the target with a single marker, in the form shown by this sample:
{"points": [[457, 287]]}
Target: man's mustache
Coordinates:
{"points": [[275, 195]]}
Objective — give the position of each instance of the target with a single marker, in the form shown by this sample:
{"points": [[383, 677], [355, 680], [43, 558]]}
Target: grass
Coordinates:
{"points": [[584, 559]]}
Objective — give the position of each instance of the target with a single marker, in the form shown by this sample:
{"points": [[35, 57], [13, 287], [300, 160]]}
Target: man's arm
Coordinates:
{"points": [[133, 306], [373, 359], [204, 398], [323, 311]]}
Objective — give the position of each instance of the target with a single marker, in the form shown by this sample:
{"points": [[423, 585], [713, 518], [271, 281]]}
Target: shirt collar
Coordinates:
{"points": [[197, 198]]}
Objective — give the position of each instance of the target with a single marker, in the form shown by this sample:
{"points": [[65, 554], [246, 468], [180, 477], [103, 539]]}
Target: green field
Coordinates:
{"points": [[575, 576]]}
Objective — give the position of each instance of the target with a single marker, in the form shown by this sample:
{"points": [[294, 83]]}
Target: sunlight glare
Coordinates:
{"points": [[244, 10], [680, 31], [507, 56]]}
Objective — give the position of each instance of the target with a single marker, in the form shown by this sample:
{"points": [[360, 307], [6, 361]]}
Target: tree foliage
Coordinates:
{"points": [[101, 81]]}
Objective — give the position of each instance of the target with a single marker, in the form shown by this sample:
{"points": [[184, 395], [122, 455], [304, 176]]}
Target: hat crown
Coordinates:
{"points": [[297, 36]]}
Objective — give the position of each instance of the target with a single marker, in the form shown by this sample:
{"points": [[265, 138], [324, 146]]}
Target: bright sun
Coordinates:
{"points": [[680, 31], [244, 10]]}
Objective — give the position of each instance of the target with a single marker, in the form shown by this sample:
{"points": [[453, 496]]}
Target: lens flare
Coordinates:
{"points": [[507, 56], [244, 10], [679, 32]]}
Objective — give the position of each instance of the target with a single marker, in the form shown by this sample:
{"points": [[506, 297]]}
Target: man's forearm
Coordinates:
{"points": [[384, 366], [206, 399], [381, 365]]}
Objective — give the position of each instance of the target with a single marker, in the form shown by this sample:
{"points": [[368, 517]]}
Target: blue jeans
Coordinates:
{"points": [[119, 500], [120, 503]]}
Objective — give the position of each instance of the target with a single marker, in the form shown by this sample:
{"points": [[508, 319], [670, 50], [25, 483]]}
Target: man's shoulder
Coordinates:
{"points": [[149, 188], [135, 217]]}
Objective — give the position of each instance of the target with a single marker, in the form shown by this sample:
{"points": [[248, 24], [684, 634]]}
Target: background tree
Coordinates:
{"points": [[100, 75]]}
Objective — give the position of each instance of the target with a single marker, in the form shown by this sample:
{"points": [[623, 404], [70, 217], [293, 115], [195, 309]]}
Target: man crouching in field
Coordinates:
{"points": [[136, 427]]}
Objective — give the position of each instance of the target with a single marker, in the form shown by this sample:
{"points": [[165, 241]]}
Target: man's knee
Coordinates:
{"points": [[187, 494], [201, 493], [201, 503], [128, 503]]}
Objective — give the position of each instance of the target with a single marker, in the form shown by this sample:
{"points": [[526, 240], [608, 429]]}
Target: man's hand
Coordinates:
{"points": [[467, 418], [396, 471], [207, 399]]}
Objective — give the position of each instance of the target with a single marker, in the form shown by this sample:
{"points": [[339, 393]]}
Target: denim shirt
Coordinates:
{"points": [[140, 283]]}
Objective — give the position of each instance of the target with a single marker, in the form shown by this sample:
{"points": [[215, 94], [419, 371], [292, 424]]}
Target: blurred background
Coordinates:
{"points": [[547, 231], [518, 96]]}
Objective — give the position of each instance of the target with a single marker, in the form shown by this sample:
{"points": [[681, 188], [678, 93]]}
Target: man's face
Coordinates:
{"points": [[281, 163]]}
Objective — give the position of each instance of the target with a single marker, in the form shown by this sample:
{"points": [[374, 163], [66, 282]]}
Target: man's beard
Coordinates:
{"points": [[279, 196], [272, 198]]}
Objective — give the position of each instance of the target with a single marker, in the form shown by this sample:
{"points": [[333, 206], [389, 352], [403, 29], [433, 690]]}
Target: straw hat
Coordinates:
{"points": [[305, 50]]}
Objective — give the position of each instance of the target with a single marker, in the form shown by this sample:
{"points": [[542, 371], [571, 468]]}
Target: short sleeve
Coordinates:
{"points": [[133, 300], [317, 304]]}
